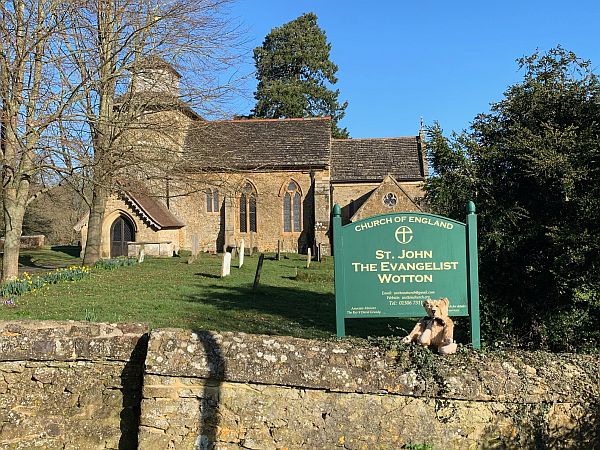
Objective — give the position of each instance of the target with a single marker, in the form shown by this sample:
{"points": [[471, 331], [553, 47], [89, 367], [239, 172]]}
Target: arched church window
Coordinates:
{"points": [[212, 200], [292, 208], [247, 219]]}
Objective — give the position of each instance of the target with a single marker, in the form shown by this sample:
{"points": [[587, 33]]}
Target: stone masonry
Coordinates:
{"points": [[72, 385], [260, 392]]}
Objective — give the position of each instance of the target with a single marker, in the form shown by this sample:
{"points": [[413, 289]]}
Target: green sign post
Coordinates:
{"points": [[387, 265]]}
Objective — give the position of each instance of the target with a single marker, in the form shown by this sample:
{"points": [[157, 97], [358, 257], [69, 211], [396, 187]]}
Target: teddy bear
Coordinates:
{"points": [[435, 329]]}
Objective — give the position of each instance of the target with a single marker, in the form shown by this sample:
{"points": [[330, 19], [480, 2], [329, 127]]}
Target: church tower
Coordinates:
{"points": [[155, 75]]}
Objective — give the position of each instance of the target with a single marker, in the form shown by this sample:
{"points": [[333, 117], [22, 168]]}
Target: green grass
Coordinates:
{"points": [[50, 257], [168, 292]]}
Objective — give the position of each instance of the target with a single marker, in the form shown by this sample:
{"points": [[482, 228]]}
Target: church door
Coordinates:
{"points": [[121, 232]]}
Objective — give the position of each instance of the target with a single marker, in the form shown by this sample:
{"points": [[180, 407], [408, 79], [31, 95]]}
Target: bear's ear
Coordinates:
{"points": [[425, 303], [445, 301]]}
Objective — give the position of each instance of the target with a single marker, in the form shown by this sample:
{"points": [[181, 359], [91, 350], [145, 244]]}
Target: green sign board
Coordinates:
{"points": [[387, 265]]}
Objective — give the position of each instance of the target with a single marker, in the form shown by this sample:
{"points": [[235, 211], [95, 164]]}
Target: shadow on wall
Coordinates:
{"points": [[220, 242], [209, 403], [132, 380]]}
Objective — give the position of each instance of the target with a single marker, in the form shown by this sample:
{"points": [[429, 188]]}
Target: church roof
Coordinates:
{"points": [[354, 160], [153, 212], [259, 144]]}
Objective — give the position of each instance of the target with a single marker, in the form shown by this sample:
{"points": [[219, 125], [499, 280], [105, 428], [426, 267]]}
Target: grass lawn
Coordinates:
{"points": [[46, 258], [169, 292]]}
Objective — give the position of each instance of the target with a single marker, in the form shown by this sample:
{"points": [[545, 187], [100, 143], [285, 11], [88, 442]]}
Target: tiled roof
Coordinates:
{"points": [[153, 212], [372, 159], [259, 144]]}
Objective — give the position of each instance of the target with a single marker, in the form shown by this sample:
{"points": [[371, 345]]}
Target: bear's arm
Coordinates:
{"points": [[413, 336]]}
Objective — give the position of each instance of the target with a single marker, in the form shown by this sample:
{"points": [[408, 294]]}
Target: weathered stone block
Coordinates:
{"points": [[280, 392], [70, 385]]}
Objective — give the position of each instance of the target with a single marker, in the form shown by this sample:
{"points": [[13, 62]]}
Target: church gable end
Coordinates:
{"points": [[388, 197]]}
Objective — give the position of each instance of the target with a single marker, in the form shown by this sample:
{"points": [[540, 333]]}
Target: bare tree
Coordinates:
{"points": [[114, 45], [32, 99]]}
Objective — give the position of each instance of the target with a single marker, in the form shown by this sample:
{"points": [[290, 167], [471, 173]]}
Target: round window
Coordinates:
{"points": [[390, 199]]}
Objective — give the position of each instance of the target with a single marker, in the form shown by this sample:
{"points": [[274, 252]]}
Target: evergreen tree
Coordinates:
{"points": [[294, 74], [533, 167]]}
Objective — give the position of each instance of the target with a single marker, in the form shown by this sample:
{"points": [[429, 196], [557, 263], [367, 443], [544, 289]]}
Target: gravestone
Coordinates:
{"points": [[308, 257], [251, 247], [261, 259], [226, 266], [279, 250], [241, 255], [195, 245], [141, 255]]}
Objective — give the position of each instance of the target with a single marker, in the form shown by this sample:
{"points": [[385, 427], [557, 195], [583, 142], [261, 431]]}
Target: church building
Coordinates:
{"points": [[271, 182]]}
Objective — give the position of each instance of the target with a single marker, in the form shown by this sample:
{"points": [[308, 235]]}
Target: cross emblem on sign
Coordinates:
{"points": [[403, 234]]}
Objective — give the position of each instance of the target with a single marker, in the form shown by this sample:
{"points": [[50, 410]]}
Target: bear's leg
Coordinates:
{"points": [[425, 338], [447, 349]]}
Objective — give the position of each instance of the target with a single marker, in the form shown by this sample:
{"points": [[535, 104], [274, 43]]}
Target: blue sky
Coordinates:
{"points": [[442, 60]]}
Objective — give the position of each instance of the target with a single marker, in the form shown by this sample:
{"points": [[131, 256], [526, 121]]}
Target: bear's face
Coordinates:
{"points": [[437, 308]]}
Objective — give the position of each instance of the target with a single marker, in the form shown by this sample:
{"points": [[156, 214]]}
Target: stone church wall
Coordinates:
{"points": [[79, 385], [214, 230]]}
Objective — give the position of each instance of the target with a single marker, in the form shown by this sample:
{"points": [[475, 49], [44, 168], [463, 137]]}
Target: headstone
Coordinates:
{"points": [[241, 260], [319, 252], [251, 248], [226, 267], [258, 270], [195, 245], [308, 257], [278, 250], [141, 255]]}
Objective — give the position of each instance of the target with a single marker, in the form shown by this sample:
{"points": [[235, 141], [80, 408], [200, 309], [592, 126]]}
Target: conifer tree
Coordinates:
{"points": [[295, 73]]}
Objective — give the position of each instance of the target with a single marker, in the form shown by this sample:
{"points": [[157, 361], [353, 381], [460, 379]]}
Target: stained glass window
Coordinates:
{"points": [[297, 214], [209, 200], [243, 215], [390, 200], [287, 212], [292, 208], [252, 213], [212, 200], [216, 203], [248, 220]]}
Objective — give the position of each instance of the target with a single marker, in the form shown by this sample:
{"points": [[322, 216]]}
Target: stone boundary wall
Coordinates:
{"points": [[28, 242], [236, 390], [72, 385]]}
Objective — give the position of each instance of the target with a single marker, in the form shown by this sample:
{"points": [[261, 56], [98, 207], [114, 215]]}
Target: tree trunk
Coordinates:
{"points": [[94, 233], [13, 216]]}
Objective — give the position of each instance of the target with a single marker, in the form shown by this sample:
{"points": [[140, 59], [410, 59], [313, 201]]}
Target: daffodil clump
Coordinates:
{"points": [[25, 283]]}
